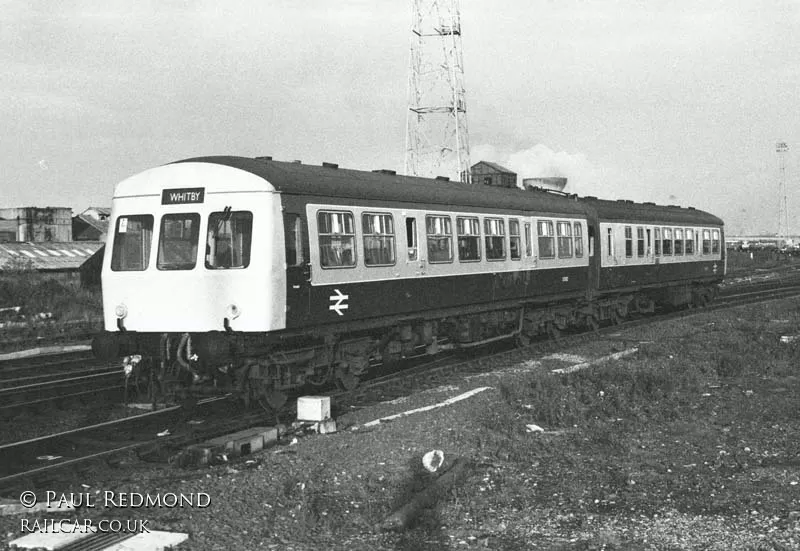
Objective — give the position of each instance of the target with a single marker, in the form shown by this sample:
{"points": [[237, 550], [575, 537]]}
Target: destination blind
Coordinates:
{"points": [[182, 196]]}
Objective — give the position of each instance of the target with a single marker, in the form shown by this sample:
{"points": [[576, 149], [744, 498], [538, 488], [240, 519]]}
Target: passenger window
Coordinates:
{"points": [[439, 231], [628, 242], [649, 242], [657, 240], [132, 241], [514, 246], [495, 231], [666, 247], [564, 239], [229, 238], [177, 244], [706, 242], [547, 239], [714, 241], [689, 241], [295, 244], [528, 243], [469, 238], [378, 230], [337, 239], [640, 242], [578, 240], [678, 241], [610, 241]]}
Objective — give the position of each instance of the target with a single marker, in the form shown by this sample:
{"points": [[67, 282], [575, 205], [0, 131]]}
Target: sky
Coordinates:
{"points": [[677, 102]]}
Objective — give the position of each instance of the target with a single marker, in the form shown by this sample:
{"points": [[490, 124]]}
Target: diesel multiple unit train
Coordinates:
{"points": [[257, 276]]}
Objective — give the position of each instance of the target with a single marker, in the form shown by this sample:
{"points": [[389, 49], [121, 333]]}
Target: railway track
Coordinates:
{"points": [[33, 387], [35, 459], [29, 459]]}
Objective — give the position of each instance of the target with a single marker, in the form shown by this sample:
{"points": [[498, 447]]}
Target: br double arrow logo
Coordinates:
{"points": [[338, 302]]}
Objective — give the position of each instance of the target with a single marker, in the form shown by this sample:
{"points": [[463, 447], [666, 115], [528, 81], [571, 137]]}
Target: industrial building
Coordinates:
{"points": [[91, 224], [492, 174], [76, 263], [36, 224]]}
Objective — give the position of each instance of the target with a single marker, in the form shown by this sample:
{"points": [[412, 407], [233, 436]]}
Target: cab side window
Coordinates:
{"points": [[229, 238], [132, 241]]}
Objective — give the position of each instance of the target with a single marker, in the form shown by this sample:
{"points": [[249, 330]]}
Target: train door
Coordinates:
{"points": [[414, 253], [595, 252], [298, 269]]}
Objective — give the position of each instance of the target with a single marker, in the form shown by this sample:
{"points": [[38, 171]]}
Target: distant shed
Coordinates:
{"points": [[492, 174], [91, 224], [70, 262]]}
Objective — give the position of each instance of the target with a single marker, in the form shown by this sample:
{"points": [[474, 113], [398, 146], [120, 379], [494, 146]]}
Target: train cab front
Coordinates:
{"points": [[194, 257]]}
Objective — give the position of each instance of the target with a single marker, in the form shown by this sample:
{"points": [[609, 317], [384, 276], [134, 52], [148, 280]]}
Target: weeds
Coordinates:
{"points": [[36, 293]]}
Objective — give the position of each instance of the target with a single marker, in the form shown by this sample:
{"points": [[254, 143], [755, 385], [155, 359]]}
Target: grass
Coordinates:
{"points": [[73, 310]]}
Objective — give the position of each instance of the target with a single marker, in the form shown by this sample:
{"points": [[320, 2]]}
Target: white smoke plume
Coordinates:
{"points": [[542, 162]]}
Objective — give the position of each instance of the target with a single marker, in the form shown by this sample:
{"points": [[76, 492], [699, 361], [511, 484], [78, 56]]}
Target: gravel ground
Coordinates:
{"points": [[523, 491]]}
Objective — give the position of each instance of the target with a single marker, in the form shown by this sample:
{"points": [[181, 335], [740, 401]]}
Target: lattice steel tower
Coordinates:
{"points": [[783, 206], [437, 140]]}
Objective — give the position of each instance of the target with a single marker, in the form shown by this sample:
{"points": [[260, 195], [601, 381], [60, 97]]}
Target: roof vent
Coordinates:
{"points": [[649, 203], [443, 178], [297, 162], [264, 158], [591, 197], [386, 171], [330, 165]]}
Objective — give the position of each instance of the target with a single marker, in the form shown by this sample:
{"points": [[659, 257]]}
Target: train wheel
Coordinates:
{"points": [[553, 331], [592, 323], [275, 399], [615, 318], [345, 378], [522, 340]]}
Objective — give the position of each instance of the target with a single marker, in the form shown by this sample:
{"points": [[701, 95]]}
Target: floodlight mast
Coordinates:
{"points": [[437, 138], [782, 149]]}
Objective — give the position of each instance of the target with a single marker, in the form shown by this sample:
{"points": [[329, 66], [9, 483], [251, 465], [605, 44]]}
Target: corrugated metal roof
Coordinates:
{"points": [[99, 225], [49, 255]]}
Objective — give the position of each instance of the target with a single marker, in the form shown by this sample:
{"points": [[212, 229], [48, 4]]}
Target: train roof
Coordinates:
{"points": [[648, 213], [330, 181]]}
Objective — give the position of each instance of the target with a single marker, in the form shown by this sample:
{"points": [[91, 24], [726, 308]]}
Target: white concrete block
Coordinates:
{"points": [[313, 408]]}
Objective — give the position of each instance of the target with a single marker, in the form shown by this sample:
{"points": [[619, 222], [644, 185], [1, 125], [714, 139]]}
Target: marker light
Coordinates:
{"points": [[121, 310], [233, 311]]}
